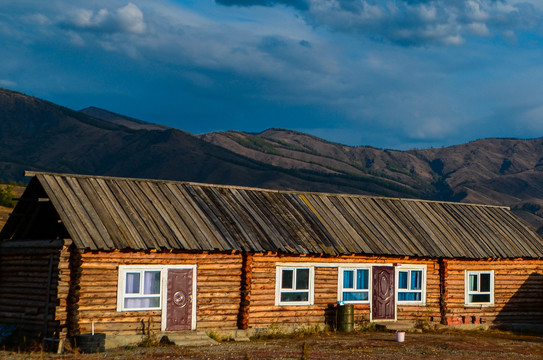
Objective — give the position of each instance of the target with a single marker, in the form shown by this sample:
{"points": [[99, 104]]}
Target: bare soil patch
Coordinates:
{"points": [[366, 345]]}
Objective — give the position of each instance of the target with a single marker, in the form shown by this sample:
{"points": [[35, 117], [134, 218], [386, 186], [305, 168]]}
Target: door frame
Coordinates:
{"points": [[164, 286], [394, 286]]}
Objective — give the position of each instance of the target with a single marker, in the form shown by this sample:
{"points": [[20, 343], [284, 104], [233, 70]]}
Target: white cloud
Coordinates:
{"points": [[130, 19], [127, 19], [430, 129], [36, 19], [478, 29], [474, 10], [7, 83]]}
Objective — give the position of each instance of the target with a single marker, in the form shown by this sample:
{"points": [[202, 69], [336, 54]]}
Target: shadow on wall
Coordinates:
{"points": [[525, 307]]}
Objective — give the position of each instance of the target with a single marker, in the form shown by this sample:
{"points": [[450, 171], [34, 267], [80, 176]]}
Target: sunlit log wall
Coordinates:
{"points": [[218, 291], [264, 313]]}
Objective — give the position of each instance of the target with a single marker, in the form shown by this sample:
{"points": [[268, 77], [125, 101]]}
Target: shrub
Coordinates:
{"points": [[7, 195]]}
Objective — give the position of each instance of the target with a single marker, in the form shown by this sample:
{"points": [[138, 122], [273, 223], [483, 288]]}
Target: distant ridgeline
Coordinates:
{"points": [[42, 136]]}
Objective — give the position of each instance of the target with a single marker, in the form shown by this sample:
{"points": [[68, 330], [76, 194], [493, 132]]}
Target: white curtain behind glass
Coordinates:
{"points": [[151, 286]]}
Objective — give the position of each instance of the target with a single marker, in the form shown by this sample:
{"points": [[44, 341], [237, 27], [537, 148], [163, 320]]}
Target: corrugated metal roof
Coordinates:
{"points": [[103, 213]]}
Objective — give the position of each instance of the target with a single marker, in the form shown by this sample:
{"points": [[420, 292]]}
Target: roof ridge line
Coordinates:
{"points": [[29, 173]]}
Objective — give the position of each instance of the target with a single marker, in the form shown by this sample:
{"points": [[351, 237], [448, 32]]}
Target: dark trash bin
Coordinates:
{"points": [[89, 343], [345, 317]]}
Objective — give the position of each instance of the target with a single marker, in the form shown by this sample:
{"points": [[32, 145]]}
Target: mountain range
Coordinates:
{"points": [[38, 135]]}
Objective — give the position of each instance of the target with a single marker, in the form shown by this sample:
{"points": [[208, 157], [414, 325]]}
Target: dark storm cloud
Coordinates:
{"points": [[414, 22], [298, 4]]}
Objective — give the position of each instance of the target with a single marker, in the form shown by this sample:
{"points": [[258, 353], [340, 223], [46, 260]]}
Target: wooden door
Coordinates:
{"points": [[179, 300], [383, 304]]}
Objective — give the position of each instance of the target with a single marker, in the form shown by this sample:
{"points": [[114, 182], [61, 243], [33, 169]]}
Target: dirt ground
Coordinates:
{"points": [[367, 345]]}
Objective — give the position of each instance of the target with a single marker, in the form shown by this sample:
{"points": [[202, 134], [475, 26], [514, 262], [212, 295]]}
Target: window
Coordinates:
{"points": [[139, 289], [479, 287], [294, 285], [411, 285], [354, 286]]}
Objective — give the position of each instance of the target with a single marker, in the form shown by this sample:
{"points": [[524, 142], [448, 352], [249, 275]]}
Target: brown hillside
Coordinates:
{"points": [[491, 171], [39, 135]]}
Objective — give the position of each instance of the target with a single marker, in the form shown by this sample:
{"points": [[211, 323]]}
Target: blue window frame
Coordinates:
{"points": [[354, 285], [410, 285]]}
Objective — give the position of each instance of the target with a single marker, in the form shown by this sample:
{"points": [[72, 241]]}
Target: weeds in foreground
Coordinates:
{"points": [[218, 337], [305, 351], [274, 332]]}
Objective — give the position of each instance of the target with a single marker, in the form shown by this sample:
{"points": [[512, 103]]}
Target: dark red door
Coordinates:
{"points": [[383, 306], [179, 301]]}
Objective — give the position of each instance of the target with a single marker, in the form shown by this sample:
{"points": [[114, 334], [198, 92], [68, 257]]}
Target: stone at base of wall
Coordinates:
{"points": [[285, 329], [463, 327], [181, 338]]}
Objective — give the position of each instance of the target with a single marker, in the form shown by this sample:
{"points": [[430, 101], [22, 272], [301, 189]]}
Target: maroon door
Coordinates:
{"points": [[383, 300], [179, 301]]}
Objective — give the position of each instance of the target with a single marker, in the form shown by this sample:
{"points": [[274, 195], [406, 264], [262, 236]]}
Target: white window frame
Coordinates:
{"points": [[410, 268], [279, 289], [468, 292], [121, 285], [341, 289], [121, 293]]}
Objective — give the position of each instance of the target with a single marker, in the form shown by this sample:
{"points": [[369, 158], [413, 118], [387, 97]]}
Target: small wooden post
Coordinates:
{"points": [[48, 295]]}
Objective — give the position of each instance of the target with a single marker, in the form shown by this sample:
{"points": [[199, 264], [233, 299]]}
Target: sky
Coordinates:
{"points": [[397, 74]]}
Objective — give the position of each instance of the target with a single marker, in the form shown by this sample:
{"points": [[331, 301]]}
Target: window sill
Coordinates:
{"points": [[294, 304], [356, 302], [411, 303], [477, 305]]}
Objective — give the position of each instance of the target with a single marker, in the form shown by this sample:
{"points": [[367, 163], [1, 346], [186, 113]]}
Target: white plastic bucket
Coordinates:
{"points": [[400, 336]]}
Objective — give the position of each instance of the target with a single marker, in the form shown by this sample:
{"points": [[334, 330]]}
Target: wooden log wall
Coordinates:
{"points": [[245, 290], [264, 313], [217, 299], [33, 286], [518, 290], [431, 311]]}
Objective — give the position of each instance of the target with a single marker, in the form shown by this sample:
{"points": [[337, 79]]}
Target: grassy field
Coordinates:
{"points": [[365, 345], [5, 211]]}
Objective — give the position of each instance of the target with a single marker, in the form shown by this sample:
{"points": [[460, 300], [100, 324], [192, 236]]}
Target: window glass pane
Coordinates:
{"points": [[151, 282], [355, 296], [479, 298], [132, 285], [485, 283], [302, 279], [294, 296], [416, 279], [362, 279], [348, 279], [286, 282], [473, 282], [409, 296], [402, 280], [142, 302]]}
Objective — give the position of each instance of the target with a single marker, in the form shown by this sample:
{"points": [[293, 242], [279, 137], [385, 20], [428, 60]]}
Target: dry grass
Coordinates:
{"points": [[5, 211], [367, 345]]}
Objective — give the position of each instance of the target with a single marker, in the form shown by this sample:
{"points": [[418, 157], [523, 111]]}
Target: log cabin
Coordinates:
{"points": [[127, 257]]}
